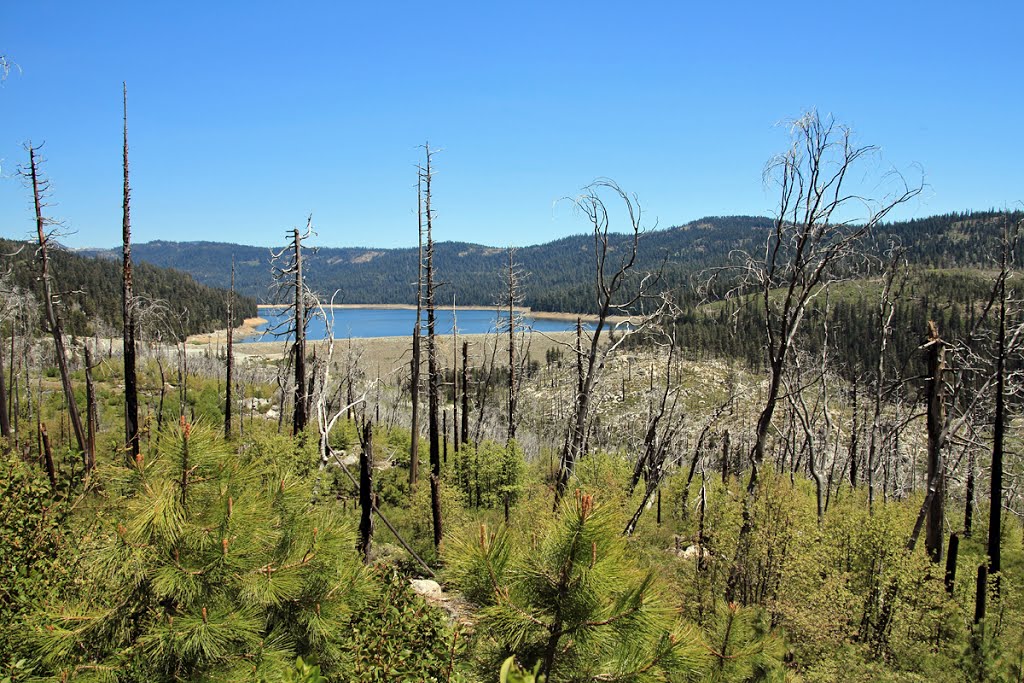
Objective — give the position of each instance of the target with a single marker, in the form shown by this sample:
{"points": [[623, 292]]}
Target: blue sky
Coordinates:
{"points": [[246, 116]]}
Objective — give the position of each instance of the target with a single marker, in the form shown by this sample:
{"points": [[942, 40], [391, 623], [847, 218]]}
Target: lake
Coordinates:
{"points": [[397, 322]]}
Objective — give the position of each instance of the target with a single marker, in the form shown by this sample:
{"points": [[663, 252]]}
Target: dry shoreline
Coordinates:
{"points": [[543, 315], [390, 353], [246, 329]]}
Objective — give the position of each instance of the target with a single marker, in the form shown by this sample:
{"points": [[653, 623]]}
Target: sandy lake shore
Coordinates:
{"points": [[544, 315], [388, 354]]}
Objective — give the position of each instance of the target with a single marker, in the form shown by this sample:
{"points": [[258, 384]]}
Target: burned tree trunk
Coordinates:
{"points": [[936, 353], [455, 384], [615, 290], [290, 287], [513, 296], [5, 421], [131, 389], [465, 392], [995, 514], [414, 380], [300, 415], [52, 317], [799, 261], [433, 372], [89, 456], [366, 495], [230, 360], [51, 471]]}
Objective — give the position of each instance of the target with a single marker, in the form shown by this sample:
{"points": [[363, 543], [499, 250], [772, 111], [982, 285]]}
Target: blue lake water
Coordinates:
{"points": [[397, 322]]}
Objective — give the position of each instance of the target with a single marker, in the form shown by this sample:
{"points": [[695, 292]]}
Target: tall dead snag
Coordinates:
{"points": [[366, 502], [414, 375], [936, 353], [5, 420], [995, 513], [455, 383], [39, 188], [91, 417], [288, 279], [822, 216], [230, 360], [131, 386], [433, 371], [513, 299], [616, 292], [299, 418], [465, 393]]}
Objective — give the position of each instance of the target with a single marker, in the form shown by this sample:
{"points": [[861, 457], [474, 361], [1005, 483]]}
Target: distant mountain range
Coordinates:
{"points": [[559, 273]]}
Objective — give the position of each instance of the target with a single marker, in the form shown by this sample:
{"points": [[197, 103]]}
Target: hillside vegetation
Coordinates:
{"points": [[180, 305], [559, 272]]}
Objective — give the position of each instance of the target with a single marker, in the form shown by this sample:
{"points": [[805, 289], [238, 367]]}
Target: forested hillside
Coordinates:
{"points": [[558, 272], [92, 293]]}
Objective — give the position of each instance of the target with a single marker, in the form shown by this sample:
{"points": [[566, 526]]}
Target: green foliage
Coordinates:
{"points": [[302, 673], [743, 646], [576, 601], [400, 638], [32, 523], [513, 673], [205, 565], [192, 307], [490, 474]]}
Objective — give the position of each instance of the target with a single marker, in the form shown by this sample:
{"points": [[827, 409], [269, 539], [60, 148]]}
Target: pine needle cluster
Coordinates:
{"points": [[576, 602], [206, 565]]}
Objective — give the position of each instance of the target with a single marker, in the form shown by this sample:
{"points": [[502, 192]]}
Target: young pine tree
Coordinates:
{"points": [[577, 602], [205, 565]]}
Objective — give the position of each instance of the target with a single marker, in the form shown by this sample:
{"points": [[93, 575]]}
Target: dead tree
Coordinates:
{"points": [[513, 299], [465, 393], [288, 279], [893, 280], [433, 371], [415, 364], [663, 426], [39, 187], [995, 521], [91, 417], [131, 384], [806, 416], [815, 234], [936, 354], [455, 383], [229, 362], [366, 495], [5, 420], [615, 291], [812, 237]]}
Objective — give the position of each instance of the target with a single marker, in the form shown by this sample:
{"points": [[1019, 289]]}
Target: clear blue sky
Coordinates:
{"points": [[246, 116]]}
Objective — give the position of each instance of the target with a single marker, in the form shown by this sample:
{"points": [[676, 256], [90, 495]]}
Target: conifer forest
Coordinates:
{"points": [[778, 448]]}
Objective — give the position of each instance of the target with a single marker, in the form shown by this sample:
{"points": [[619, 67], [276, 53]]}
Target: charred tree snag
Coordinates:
{"points": [[230, 360], [415, 364], [433, 371], [131, 387], [39, 187], [290, 285], [366, 496], [816, 230], [616, 290], [936, 354]]}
